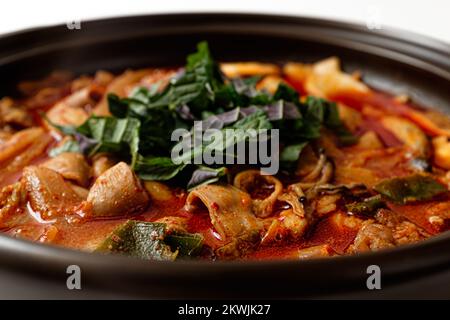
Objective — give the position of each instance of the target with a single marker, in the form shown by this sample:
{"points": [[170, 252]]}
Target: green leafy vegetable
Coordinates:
{"points": [[205, 175], [367, 207], [289, 155], [195, 87], [411, 188], [186, 244], [113, 134], [68, 146], [286, 93], [157, 168], [141, 125], [150, 241], [107, 134], [144, 240]]}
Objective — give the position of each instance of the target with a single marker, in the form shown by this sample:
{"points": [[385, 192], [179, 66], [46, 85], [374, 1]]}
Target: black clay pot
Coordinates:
{"points": [[390, 60]]}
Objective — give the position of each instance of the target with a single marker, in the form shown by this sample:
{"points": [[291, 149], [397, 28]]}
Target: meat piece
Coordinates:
{"points": [[14, 115], [229, 209], [72, 166], [5, 135], [407, 232], [264, 190], [351, 118], [292, 222], [337, 230], [12, 197], [369, 140], [56, 79], [409, 133], [44, 233], [100, 163], [18, 142], [327, 80], [117, 192], [324, 78], [174, 224], [158, 191], [372, 237], [315, 252], [32, 152], [49, 194], [403, 230], [432, 216], [441, 148], [70, 110], [325, 204], [118, 86], [80, 191]]}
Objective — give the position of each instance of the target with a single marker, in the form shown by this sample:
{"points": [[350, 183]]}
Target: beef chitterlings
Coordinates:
{"points": [[91, 163]]}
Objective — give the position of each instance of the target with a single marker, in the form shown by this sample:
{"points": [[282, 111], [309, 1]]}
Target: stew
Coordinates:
{"points": [[100, 162]]}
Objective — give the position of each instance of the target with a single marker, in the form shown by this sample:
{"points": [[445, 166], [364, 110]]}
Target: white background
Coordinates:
{"points": [[430, 17]]}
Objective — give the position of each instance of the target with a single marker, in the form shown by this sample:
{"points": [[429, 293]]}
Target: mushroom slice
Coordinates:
{"points": [[72, 166], [263, 189], [117, 192], [229, 209]]}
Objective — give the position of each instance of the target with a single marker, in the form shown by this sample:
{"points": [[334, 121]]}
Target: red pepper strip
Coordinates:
{"points": [[389, 139], [296, 84], [389, 105]]}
